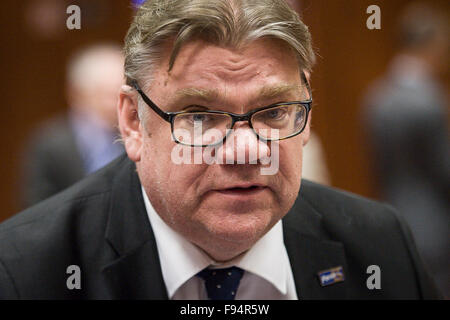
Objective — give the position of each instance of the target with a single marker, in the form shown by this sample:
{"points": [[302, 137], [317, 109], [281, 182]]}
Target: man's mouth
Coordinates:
{"points": [[242, 190]]}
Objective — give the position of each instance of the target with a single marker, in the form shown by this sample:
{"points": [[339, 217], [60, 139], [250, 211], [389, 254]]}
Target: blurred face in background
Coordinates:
{"points": [[94, 83], [224, 209]]}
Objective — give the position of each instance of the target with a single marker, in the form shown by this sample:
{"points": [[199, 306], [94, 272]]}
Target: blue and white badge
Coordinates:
{"points": [[331, 276]]}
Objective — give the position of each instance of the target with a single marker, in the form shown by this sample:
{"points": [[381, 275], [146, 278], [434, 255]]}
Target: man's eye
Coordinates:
{"points": [[197, 117], [275, 114]]}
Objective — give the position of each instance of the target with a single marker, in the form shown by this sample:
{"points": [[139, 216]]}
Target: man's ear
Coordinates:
{"points": [[129, 123]]}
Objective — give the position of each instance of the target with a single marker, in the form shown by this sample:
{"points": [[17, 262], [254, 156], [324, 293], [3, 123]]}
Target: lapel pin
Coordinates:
{"points": [[331, 276]]}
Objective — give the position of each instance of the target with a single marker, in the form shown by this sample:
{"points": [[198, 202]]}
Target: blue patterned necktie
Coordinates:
{"points": [[221, 284]]}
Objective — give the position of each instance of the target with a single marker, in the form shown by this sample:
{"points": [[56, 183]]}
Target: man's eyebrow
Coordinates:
{"points": [[207, 95], [273, 91], [210, 95]]}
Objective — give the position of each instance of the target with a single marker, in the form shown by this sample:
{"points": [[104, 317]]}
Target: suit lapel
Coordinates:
{"points": [[310, 251], [136, 271], [136, 275]]}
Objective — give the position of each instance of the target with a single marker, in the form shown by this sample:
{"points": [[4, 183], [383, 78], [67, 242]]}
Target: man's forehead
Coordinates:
{"points": [[207, 72], [201, 56]]}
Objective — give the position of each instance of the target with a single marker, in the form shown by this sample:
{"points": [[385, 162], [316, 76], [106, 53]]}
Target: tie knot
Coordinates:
{"points": [[221, 284]]}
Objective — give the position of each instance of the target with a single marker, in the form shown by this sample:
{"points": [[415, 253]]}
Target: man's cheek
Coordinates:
{"points": [[290, 174]]}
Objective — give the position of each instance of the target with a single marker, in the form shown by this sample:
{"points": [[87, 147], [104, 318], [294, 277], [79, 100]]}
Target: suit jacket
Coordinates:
{"points": [[51, 161], [100, 224]]}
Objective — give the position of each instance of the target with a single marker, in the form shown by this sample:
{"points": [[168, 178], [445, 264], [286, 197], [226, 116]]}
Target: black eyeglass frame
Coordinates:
{"points": [[170, 116]]}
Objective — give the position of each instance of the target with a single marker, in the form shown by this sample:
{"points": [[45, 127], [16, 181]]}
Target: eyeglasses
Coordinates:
{"points": [[278, 121]]}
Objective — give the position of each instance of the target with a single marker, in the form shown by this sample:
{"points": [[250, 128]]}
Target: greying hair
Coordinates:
{"points": [[226, 23]]}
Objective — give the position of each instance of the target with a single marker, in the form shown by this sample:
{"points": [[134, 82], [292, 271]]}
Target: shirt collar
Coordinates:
{"points": [[181, 260]]}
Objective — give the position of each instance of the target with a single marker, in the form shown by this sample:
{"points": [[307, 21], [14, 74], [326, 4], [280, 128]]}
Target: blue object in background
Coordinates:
{"points": [[137, 3]]}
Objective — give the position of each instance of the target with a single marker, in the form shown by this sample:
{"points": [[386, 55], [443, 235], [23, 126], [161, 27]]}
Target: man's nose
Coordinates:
{"points": [[242, 146]]}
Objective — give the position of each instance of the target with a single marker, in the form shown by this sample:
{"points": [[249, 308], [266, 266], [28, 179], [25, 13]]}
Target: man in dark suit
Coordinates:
{"points": [[67, 147], [206, 204]]}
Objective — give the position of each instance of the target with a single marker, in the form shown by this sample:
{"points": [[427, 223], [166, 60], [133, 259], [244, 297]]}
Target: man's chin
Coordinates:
{"points": [[240, 232]]}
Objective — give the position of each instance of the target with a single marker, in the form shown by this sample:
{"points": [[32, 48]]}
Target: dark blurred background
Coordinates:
{"points": [[36, 46]]}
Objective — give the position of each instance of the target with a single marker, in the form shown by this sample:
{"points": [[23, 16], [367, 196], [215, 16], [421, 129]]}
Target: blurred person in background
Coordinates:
{"points": [[70, 146], [406, 117]]}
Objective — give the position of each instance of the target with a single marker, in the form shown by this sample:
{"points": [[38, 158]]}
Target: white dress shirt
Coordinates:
{"points": [[268, 274]]}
